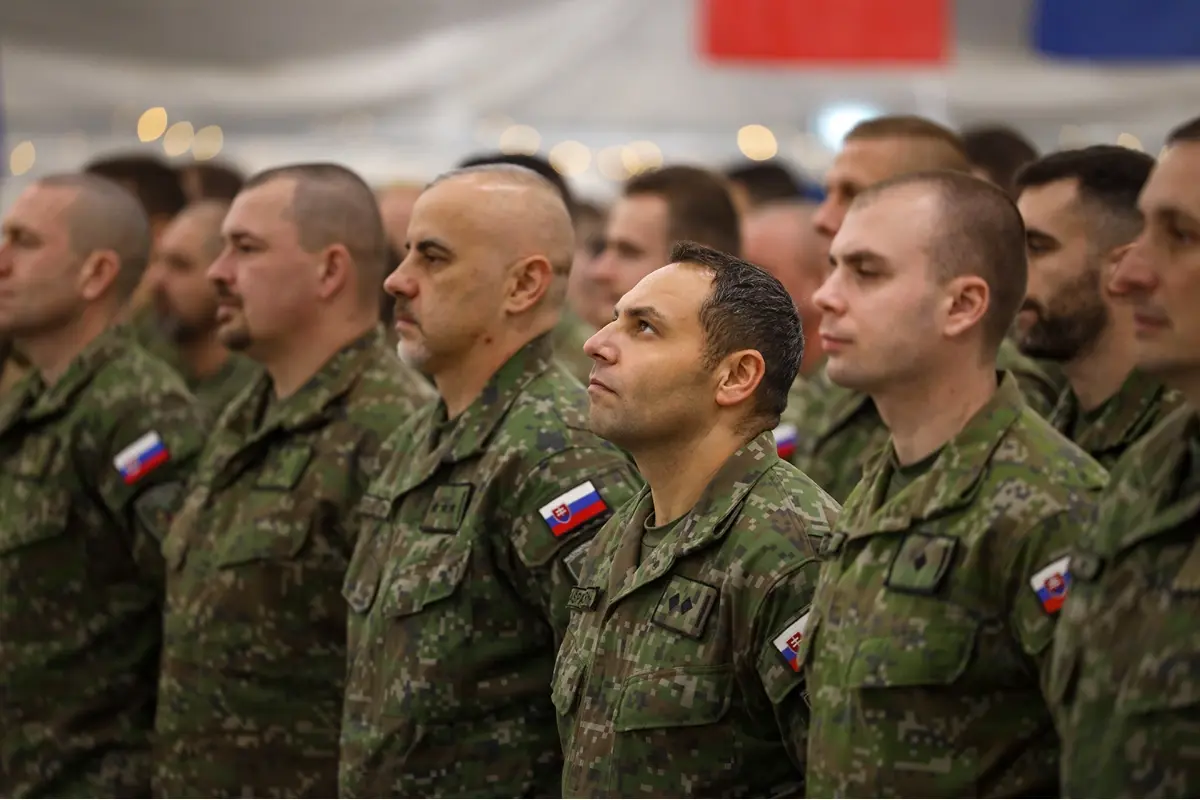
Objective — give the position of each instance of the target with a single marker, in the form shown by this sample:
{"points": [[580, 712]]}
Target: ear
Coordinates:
{"points": [[1109, 287], [333, 270], [98, 274], [738, 377], [528, 282], [968, 299]]}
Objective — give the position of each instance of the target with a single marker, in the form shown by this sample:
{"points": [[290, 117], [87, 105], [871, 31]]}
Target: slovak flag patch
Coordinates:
{"points": [[788, 642], [142, 457], [568, 511], [785, 440], [1051, 583]]}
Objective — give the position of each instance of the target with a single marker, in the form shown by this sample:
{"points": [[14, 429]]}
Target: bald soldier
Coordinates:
{"points": [[94, 448], [830, 431], [254, 652], [473, 532], [185, 306]]}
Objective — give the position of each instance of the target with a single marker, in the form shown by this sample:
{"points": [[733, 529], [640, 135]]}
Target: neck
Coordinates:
{"points": [[51, 353], [953, 398], [303, 359], [459, 385], [203, 356], [814, 356], [1098, 375], [679, 472]]}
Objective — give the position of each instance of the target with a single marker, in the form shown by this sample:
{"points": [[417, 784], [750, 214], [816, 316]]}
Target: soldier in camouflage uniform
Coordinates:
{"points": [[1080, 213], [254, 653], [1123, 680], [473, 531], [831, 432], [184, 307], [94, 447], [926, 653], [677, 676], [13, 366]]}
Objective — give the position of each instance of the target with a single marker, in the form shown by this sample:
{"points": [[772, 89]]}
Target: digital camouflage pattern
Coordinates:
{"points": [[81, 572], [458, 590], [838, 430], [254, 654], [215, 392], [569, 338], [1105, 433], [12, 367], [1125, 676], [928, 648], [670, 682]]}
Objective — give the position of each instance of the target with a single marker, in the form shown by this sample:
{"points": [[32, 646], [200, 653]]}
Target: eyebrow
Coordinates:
{"points": [[238, 233], [425, 245], [1038, 233], [647, 313], [1174, 214], [857, 258]]}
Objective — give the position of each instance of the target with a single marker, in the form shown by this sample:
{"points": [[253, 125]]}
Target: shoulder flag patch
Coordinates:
{"points": [[1051, 583], [568, 511], [785, 440], [788, 642], [142, 457]]}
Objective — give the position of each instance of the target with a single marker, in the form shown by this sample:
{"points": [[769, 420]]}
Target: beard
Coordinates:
{"points": [[1067, 325]]}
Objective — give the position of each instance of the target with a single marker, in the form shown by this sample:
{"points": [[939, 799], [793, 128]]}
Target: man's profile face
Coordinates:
{"points": [[637, 242], [185, 301]]}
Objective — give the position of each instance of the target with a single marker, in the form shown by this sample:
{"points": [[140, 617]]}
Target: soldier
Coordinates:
{"points": [[927, 648], [185, 307], [13, 367], [1080, 212], [677, 676], [831, 431], [1127, 651], [474, 531], [254, 653], [94, 447]]}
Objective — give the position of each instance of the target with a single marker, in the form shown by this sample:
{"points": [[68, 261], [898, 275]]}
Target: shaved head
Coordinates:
{"points": [[207, 215], [333, 205], [106, 216]]}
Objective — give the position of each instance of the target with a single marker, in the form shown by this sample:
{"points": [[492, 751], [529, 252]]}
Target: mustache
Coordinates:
{"points": [[402, 310], [1032, 305], [225, 295]]}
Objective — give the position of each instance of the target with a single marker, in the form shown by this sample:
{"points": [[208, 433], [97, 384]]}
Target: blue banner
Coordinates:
{"points": [[1131, 31]]}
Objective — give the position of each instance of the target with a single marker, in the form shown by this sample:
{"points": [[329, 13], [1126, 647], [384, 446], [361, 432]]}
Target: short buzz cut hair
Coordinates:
{"points": [[1187, 132], [1109, 178], [334, 205], [530, 162], [748, 309], [979, 231], [766, 182], [106, 216], [1000, 152], [156, 184], [699, 205], [910, 126]]}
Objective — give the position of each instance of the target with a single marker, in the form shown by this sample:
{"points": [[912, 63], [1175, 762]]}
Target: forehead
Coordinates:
{"points": [[868, 161], [43, 207], [675, 291], [459, 210], [1175, 181], [1052, 201], [898, 223], [640, 214], [263, 209]]}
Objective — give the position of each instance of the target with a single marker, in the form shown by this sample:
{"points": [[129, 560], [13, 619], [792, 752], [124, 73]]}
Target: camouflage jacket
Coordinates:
{"points": [[1106, 433], [458, 589], [90, 470], [927, 650], [215, 392], [569, 338], [254, 653], [676, 678], [1125, 676], [831, 432]]}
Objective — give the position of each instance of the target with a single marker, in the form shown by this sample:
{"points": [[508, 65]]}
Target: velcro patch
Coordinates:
{"points": [[921, 564], [146, 454], [788, 642], [573, 561], [685, 606], [1050, 584], [571, 509], [583, 598], [447, 508]]}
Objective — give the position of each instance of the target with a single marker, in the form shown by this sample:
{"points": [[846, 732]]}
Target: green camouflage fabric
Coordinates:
{"points": [[218, 390], [1108, 431], [928, 647], [569, 338], [458, 590], [837, 431], [1125, 675], [254, 655], [12, 367], [676, 678], [142, 327], [81, 573]]}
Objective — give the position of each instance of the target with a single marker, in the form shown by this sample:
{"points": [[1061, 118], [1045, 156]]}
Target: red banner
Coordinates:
{"points": [[913, 32]]}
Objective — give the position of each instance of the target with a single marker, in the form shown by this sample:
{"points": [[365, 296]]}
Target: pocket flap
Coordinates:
{"points": [[674, 698], [415, 585], [568, 676], [275, 538], [1162, 681], [882, 662], [43, 515]]}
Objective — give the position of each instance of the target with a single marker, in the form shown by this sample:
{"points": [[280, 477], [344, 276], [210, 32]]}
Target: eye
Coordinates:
{"points": [[1180, 236], [645, 327]]}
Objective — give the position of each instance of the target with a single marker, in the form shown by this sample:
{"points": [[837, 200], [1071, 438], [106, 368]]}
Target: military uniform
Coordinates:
{"points": [[832, 432], [927, 649], [12, 367], [90, 470], [677, 676], [254, 652], [1107, 431], [569, 338], [1124, 681], [458, 590], [218, 390]]}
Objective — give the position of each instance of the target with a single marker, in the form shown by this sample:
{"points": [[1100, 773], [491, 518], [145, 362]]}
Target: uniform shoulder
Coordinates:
{"points": [[1165, 443], [782, 515], [388, 394], [553, 408], [133, 373], [1052, 472]]}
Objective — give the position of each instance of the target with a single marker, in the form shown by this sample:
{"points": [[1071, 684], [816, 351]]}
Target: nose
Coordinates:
{"points": [[400, 282], [1133, 273], [599, 346], [826, 298], [828, 217], [221, 269]]}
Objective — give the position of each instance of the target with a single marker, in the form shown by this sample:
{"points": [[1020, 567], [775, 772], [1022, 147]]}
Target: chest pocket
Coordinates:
{"points": [[677, 697], [891, 663], [568, 678], [35, 509], [274, 520], [432, 571]]}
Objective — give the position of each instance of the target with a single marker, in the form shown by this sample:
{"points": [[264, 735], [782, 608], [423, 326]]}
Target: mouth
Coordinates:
{"points": [[1143, 321], [598, 386], [831, 343]]}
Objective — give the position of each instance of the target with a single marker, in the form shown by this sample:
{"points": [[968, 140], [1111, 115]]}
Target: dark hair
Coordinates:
{"points": [[536, 163], [1109, 177], [216, 181], [748, 308], [1187, 132], [766, 181], [153, 181], [907, 126], [1000, 152], [699, 206], [333, 205], [980, 232]]}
